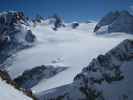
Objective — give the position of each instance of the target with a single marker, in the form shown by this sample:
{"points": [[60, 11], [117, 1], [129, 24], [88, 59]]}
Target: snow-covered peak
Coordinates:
{"points": [[54, 22], [12, 17], [119, 21], [14, 33], [12, 24], [107, 20]]}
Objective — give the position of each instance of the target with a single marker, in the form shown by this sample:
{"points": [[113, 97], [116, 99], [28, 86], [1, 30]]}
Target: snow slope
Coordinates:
{"points": [[7, 92], [75, 48]]}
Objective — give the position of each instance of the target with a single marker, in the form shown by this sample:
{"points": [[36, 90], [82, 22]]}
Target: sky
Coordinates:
{"points": [[70, 10]]}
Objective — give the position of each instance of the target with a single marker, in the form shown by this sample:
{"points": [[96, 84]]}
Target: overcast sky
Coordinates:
{"points": [[80, 10]]}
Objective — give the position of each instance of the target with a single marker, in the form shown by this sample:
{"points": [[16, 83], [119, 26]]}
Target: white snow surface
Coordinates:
{"points": [[75, 48], [8, 92]]}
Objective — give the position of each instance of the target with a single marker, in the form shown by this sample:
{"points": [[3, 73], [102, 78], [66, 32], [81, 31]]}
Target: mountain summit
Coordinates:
{"points": [[118, 21]]}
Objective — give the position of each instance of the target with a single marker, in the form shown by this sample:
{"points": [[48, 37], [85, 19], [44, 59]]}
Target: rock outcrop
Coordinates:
{"points": [[31, 77], [119, 21], [14, 33], [74, 25]]}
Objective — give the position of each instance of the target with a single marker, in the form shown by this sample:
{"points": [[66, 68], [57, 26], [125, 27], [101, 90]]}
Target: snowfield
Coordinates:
{"points": [[8, 92], [74, 47]]}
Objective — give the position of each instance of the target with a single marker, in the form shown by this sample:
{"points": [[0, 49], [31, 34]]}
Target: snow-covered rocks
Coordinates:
{"points": [[14, 33], [54, 21], [107, 68], [118, 21], [74, 25], [57, 21], [29, 37], [31, 77], [13, 25], [38, 19], [107, 20]]}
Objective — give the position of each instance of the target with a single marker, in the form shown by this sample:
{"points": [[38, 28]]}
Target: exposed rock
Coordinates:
{"points": [[75, 25], [54, 22], [38, 19], [119, 21], [30, 37], [33, 76], [13, 33], [5, 77], [57, 23], [124, 23], [107, 20]]}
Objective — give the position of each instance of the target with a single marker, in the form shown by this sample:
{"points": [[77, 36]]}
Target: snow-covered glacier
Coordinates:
{"points": [[49, 58], [70, 47]]}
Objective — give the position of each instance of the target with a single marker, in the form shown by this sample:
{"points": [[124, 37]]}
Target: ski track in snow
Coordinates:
{"points": [[76, 48]]}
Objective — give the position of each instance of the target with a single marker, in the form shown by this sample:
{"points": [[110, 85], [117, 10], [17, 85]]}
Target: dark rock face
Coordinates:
{"points": [[75, 25], [12, 32], [124, 23], [5, 76], [56, 21], [119, 21], [33, 76], [107, 20], [106, 68], [9, 18], [38, 19], [29, 37]]}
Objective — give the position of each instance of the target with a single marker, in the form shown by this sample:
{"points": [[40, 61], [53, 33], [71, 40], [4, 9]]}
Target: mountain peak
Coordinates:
{"points": [[117, 21]]}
